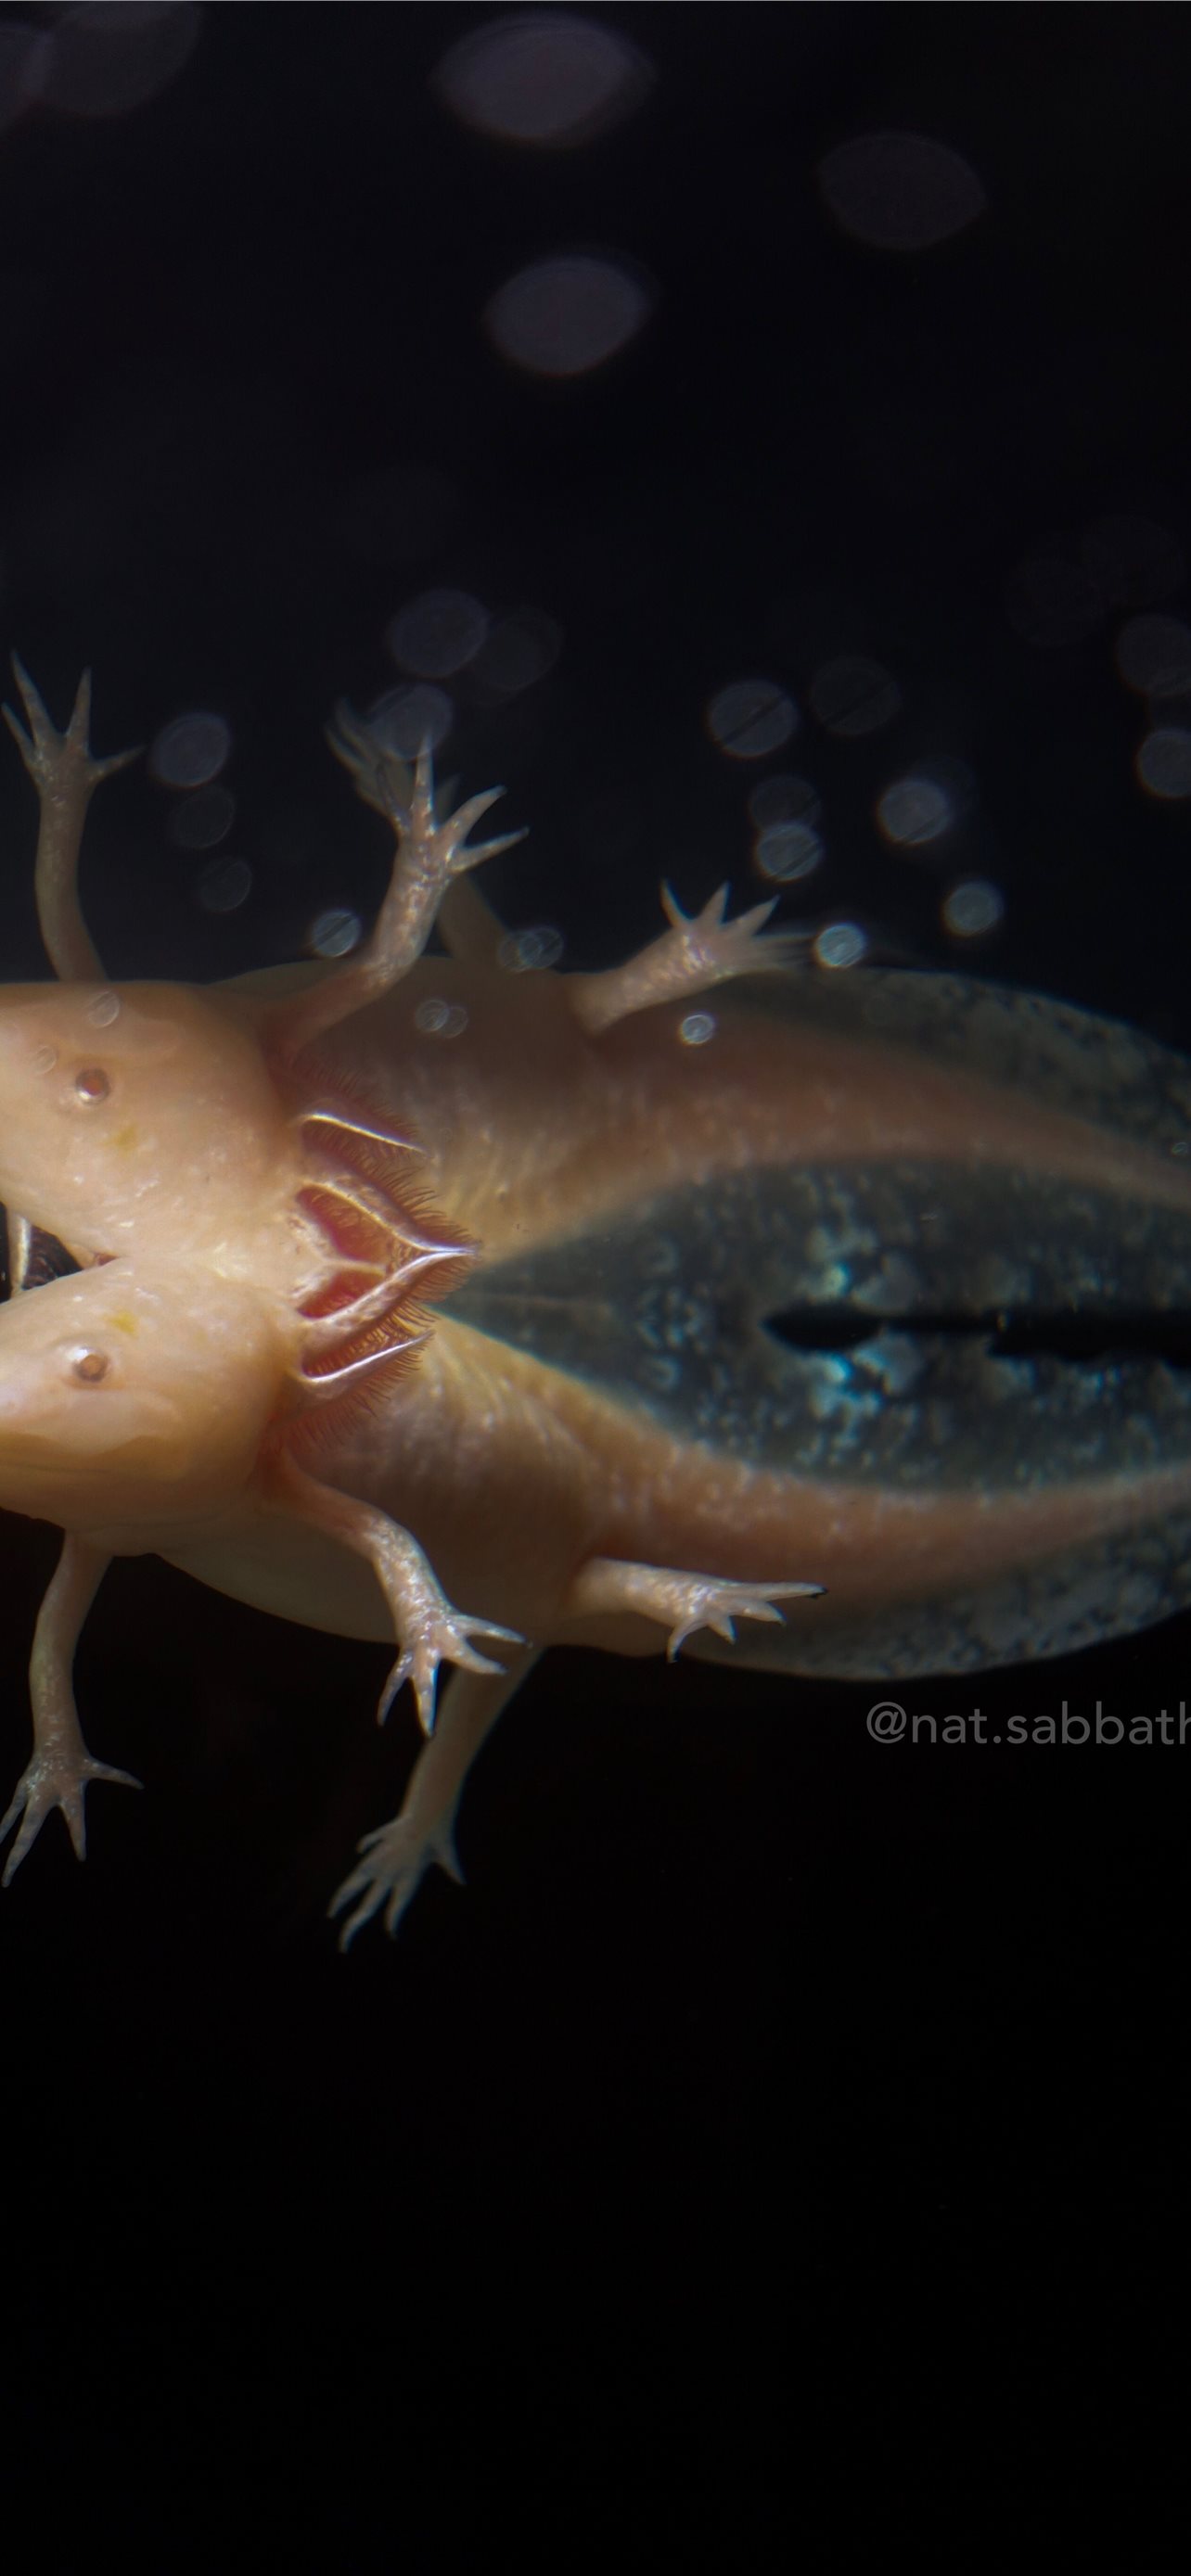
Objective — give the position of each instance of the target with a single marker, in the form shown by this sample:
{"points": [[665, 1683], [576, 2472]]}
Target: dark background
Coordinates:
{"points": [[771, 2101]]}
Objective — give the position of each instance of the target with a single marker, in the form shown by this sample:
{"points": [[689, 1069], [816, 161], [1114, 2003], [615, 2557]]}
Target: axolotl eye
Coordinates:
{"points": [[88, 1367], [91, 1083]]}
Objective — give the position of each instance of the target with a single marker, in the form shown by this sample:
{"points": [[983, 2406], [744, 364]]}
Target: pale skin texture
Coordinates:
{"points": [[253, 1240]]}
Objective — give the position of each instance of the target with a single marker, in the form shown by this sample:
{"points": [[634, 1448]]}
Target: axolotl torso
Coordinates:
{"points": [[571, 1331]]}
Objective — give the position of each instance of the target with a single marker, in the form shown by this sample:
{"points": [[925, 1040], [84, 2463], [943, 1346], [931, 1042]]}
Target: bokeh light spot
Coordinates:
{"points": [[112, 55], [1154, 656], [1164, 761], [437, 633], [914, 810], [1050, 602], [784, 798], [517, 650], [749, 719], [202, 819], [898, 191], [1133, 560], [225, 885], [853, 695], [566, 315], [788, 850], [839, 944], [543, 78], [972, 909], [191, 750], [406, 718]]}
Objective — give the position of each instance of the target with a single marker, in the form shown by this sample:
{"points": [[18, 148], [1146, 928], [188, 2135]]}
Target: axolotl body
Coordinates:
{"points": [[573, 1331]]}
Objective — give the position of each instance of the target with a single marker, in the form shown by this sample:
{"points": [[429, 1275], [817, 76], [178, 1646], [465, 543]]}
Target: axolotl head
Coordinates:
{"points": [[134, 1115], [133, 1392]]}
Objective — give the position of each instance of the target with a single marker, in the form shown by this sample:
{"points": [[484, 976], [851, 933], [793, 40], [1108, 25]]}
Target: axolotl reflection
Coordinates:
{"points": [[569, 1332]]}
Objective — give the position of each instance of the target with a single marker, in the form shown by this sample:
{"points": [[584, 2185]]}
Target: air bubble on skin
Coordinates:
{"points": [[437, 633], [438, 1019], [191, 750], [334, 933], [530, 952], [839, 944], [225, 886], [543, 79], [697, 1028], [92, 1083], [103, 1009], [1163, 762], [566, 315], [972, 909], [854, 695], [749, 719]]}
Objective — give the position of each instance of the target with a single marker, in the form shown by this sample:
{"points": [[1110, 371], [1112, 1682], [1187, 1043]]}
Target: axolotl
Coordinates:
{"points": [[573, 1331]]}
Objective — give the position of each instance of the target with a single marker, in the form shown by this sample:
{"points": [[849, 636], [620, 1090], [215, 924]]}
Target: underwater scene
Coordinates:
{"points": [[595, 1145]]}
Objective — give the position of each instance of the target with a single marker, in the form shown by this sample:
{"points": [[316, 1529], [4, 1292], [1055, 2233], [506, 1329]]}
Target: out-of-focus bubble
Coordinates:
{"points": [[788, 850], [112, 55], [566, 315], [1164, 761], [404, 719], [697, 1028], [853, 696], [437, 633], [784, 798], [518, 650], [191, 750], [1154, 656], [225, 885], [901, 192], [839, 944], [22, 53], [751, 718], [400, 515], [543, 78], [914, 810], [1132, 560], [436, 1019], [972, 909], [530, 952], [203, 819], [103, 1010], [334, 933], [1051, 602]]}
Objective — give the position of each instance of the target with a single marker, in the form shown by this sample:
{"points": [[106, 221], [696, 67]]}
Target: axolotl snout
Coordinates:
{"points": [[528, 1339]]}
